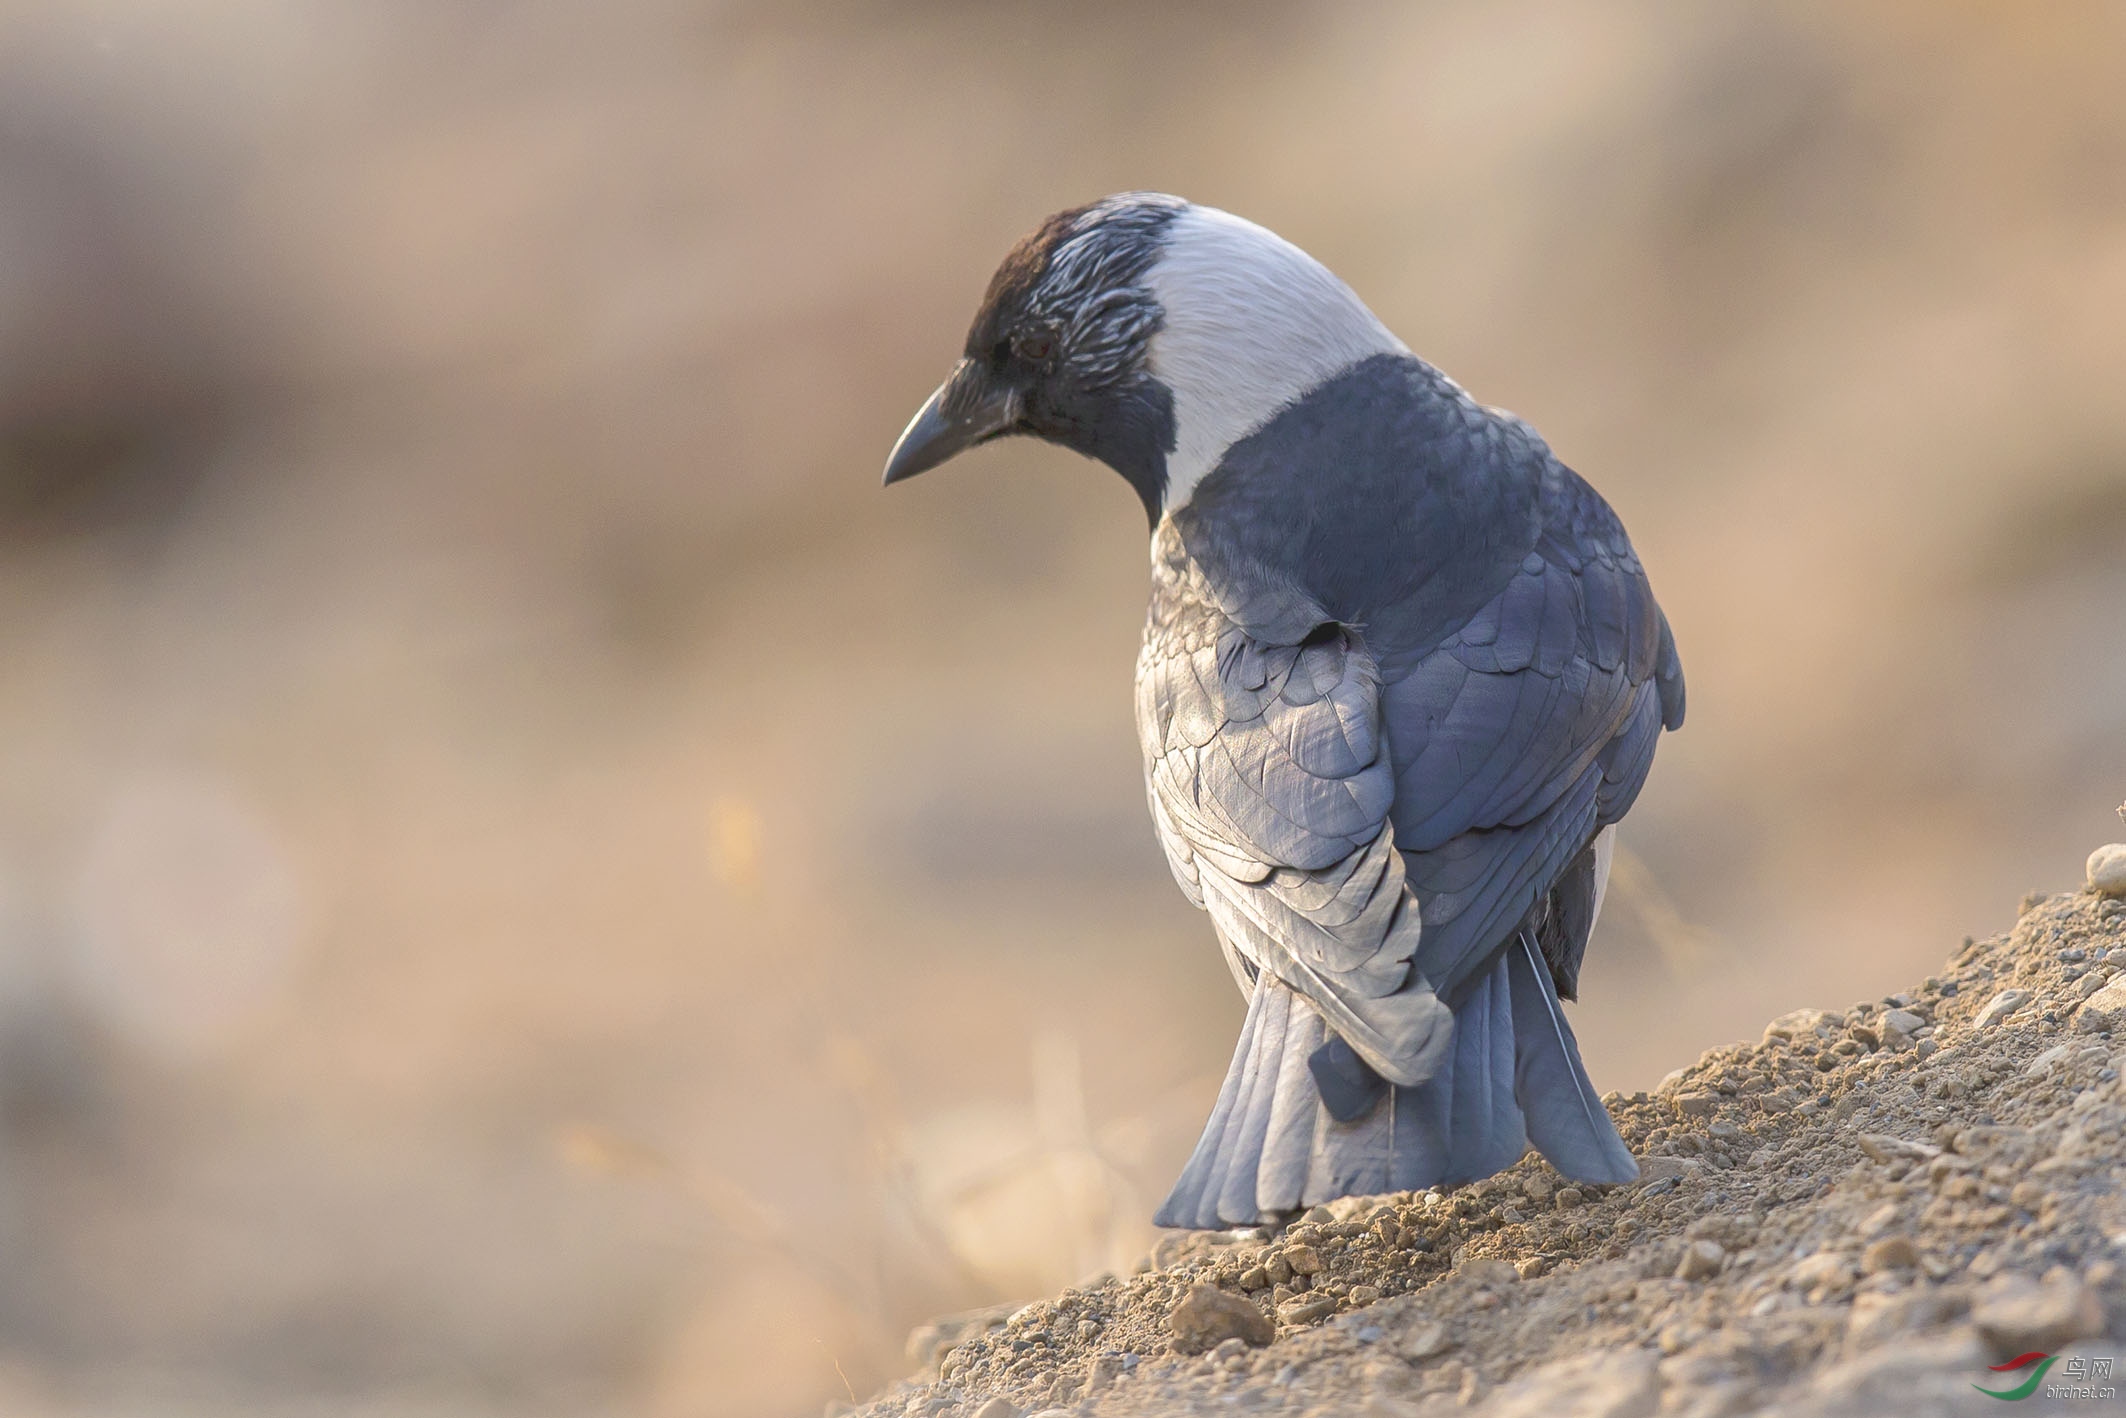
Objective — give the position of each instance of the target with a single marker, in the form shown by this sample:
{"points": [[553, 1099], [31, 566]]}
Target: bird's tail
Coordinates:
{"points": [[1512, 1077]]}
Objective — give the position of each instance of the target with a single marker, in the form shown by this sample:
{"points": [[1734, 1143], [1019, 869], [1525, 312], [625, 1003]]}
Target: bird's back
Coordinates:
{"points": [[1525, 669]]}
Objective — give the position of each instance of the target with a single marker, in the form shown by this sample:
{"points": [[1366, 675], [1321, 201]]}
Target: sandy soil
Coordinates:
{"points": [[1857, 1213]]}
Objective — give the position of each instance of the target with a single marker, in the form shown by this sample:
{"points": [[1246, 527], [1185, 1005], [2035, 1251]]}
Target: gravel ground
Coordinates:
{"points": [[1856, 1214]]}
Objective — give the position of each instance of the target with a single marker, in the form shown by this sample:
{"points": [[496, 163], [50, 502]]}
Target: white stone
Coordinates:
{"points": [[2001, 1006], [2108, 1002], [1904, 1021], [2043, 1063], [1800, 1024], [2107, 870]]}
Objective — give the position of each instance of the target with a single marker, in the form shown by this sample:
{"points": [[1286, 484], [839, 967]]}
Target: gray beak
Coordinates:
{"points": [[959, 415]]}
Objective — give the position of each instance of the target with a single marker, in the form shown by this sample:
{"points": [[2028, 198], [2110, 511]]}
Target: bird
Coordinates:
{"points": [[1402, 674]]}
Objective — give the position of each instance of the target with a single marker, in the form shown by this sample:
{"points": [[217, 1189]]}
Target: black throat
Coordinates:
{"points": [[1128, 426]]}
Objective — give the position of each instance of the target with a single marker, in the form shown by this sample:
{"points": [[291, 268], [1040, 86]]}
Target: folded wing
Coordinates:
{"points": [[1271, 786]]}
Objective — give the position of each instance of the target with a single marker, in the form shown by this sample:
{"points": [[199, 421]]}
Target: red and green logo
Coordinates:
{"points": [[2028, 1386]]}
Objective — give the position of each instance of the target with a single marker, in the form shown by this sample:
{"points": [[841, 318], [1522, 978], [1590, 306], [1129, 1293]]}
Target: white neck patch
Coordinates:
{"points": [[1252, 322]]}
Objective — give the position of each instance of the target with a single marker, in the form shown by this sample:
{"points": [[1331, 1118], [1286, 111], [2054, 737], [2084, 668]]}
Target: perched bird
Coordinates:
{"points": [[1401, 676]]}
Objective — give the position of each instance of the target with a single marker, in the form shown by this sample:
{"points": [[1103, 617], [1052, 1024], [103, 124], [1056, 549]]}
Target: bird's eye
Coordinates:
{"points": [[1037, 346]]}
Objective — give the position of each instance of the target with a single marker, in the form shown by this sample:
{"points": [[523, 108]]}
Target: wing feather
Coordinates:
{"points": [[1271, 788]]}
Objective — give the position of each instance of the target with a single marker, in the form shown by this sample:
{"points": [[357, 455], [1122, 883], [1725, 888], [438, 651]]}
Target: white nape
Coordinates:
{"points": [[1251, 323]]}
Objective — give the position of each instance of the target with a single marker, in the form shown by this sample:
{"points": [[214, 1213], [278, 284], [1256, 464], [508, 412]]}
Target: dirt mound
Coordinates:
{"points": [[1860, 1213]]}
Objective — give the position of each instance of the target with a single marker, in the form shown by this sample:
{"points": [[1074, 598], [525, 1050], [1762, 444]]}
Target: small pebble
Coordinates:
{"points": [[2000, 1007], [1364, 1294], [1894, 1149], [1701, 1260], [1889, 1253], [1305, 1309], [1303, 1259], [998, 1407], [1823, 1268], [1488, 1270], [1427, 1341], [1105, 1369], [1903, 1020], [1653, 1169], [1207, 1315]]}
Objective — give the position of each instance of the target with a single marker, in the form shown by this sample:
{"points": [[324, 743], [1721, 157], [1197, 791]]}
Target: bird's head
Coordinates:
{"points": [[1146, 332]]}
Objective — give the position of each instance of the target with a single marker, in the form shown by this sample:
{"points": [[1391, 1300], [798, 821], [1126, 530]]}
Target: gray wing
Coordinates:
{"points": [[1270, 784], [1527, 730]]}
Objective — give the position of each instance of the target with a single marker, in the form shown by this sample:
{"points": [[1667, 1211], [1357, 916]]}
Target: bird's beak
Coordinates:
{"points": [[962, 413]]}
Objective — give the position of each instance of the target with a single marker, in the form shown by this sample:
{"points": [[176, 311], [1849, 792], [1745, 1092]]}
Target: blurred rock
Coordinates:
{"points": [[1623, 1385], [1889, 1253], [1207, 1315], [1428, 1340], [1488, 1270], [2015, 1315], [1701, 1260]]}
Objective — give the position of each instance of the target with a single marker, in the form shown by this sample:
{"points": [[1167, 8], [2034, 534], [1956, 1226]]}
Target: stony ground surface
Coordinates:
{"points": [[1855, 1214]]}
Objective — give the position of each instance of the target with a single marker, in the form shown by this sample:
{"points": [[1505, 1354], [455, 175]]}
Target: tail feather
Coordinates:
{"points": [[1250, 1122], [1511, 1076], [1295, 1113], [1485, 1131], [1194, 1199], [1350, 1158], [1565, 1120]]}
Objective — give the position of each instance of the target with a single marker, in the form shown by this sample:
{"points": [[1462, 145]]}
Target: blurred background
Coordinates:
{"points": [[529, 886]]}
